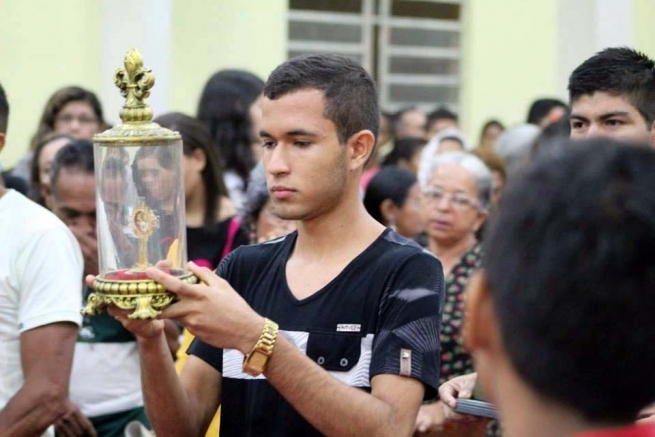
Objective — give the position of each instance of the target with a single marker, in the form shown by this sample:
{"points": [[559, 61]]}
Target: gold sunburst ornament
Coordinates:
{"points": [[140, 211]]}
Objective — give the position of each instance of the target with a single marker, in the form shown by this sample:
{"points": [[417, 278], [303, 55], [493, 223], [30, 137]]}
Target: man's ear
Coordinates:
{"points": [[388, 210], [3, 138], [481, 330], [360, 145]]}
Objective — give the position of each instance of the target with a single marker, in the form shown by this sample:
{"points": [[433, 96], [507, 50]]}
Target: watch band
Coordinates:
{"points": [[255, 362]]}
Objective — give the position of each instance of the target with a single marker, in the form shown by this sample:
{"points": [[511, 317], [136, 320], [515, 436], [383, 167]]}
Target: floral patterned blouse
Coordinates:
{"points": [[455, 359]]}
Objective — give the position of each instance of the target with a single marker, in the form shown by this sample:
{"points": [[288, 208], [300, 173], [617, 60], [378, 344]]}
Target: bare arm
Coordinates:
{"points": [[176, 405], [47, 357], [336, 409]]}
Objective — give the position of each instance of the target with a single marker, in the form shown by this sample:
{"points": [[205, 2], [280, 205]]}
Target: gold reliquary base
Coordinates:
{"points": [[146, 297]]}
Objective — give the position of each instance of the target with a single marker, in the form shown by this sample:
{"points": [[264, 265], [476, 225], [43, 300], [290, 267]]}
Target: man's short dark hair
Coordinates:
{"points": [[540, 108], [351, 98], [619, 71], [441, 114], [76, 155], [577, 232], [4, 111]]}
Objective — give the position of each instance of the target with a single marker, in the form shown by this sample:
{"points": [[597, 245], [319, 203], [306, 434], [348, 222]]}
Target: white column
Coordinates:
{"points": [[588, 26], [146, 26], [613, 23]]}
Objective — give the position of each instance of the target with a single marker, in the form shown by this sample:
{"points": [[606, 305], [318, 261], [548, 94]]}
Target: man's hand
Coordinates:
{"points": [[74, 424], [89, 245], [214, 312], [430, 418], [460, 387]]}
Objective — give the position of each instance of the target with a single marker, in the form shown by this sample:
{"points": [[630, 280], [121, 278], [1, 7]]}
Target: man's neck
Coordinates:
{"points": [[3, 190], [346, 227]]}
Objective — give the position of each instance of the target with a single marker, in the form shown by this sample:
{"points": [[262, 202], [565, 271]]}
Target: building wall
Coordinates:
{"points": [[644, 17], [45, 45], [510, 57]]}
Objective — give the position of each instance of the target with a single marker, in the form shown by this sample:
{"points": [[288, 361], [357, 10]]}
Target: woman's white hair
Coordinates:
{"points": [[432, 148], [472, 163]]}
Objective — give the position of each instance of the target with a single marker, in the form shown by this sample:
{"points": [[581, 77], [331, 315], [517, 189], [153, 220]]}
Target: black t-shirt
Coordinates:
{"points": [[205, 245], [385, 305]]}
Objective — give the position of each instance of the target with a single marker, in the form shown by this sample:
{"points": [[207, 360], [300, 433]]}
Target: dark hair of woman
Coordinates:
{"points": [[196, 136], [391, 183], [224, 108], [57, 102], [35, 170], [404, 149]]}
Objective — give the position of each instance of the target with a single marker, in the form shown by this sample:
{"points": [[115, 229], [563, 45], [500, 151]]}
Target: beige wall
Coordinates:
{"points": [[644, 20], [44, 45], [510, 58], [209, 35]]}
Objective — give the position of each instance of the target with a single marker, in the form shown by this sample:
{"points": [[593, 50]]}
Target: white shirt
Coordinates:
{"points": [[41, 270]]}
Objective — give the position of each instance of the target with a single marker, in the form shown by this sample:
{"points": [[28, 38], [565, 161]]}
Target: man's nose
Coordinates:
{"points": [[276, 160]]}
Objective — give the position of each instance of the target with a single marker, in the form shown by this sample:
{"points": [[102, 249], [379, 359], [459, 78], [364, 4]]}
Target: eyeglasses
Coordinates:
{"points": [[82, 119], [457, 200]]}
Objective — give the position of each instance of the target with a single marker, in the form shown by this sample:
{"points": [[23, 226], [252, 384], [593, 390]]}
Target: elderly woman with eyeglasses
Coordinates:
{"points": [[456, 197]]}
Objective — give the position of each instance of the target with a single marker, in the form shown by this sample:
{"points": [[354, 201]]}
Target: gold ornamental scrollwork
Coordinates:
{"points": [[134, 81], [147, 298]]}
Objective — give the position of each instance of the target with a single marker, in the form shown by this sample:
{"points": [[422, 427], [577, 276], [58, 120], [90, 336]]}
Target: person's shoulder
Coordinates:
{"points": [[27, 214], [401, 246], [262, 250], [253, 257]]}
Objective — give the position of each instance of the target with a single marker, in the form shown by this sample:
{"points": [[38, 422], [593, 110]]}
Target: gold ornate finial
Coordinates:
{"points": [[135, 82]]}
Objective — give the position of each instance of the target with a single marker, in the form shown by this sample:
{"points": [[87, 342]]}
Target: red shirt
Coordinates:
{"points": [[630, 431]]}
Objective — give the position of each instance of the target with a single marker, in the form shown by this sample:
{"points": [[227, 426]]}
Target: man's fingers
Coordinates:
{"points": [[170, 282], [204, 274], [89, 280], [87, 426], [464, 394]]}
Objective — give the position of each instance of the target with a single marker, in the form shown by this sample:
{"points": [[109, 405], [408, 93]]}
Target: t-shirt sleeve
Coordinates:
{"points": [[50, 271], [206, 352], [407, 337]]}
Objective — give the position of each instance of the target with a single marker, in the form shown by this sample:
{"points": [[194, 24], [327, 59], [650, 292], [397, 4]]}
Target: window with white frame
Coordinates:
{"points": [[410, 47]]}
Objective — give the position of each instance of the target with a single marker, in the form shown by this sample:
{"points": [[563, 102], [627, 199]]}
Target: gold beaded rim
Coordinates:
{"points": [[135, 287]]}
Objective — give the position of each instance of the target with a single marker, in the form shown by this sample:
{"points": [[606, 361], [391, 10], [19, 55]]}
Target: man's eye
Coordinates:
{"points": [[268, 144], [302, 143], [614, 122], [576, 125]]}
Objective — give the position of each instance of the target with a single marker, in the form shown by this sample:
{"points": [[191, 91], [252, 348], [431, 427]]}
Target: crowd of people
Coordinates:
{"points": [[361, 270]]}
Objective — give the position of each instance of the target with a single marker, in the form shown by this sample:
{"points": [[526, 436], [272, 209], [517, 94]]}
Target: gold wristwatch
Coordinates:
{"points": [[255, 362]]}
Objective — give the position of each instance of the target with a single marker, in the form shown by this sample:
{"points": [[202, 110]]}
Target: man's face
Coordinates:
{"points": [[306, 166], [412, 124], [606, 115], [74, 201]]}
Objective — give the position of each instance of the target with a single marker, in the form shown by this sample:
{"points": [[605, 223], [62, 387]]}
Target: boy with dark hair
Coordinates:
{"points": [[613, 94], [544, 112], [563, 344], [350, 343], [440, 119]]}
